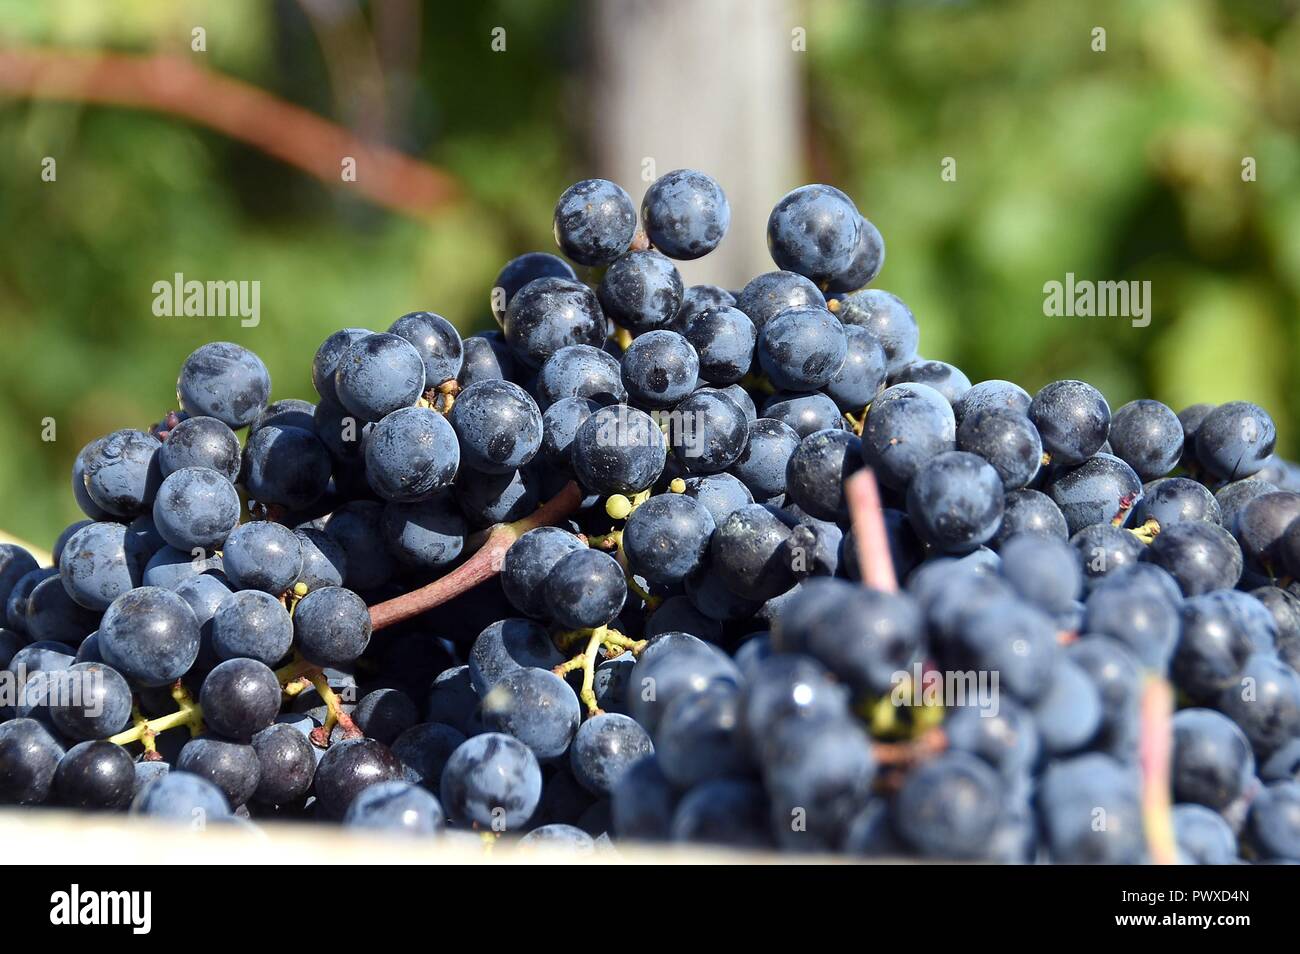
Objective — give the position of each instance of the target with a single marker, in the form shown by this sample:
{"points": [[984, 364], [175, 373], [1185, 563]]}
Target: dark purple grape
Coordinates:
{"points": [[659, 369], [685, 213], [286, 765], [862, 374], [260, 555], [1235, 440], [1262, 529], [889, 320], [231, 766], [1073, 420], [817, 470], [1200, 556], [290, 412], [754, 552], [1103, 549], [357, 527], [992, 395], [868, 258], [731, 812], [814, 231], [492, 781], [585, 589], [724, 339], [331, 626], [535, 706], [549, 314], [347, 769], [240, 698], [201, 442], [326, 362], [1102, 489], [907, 426], [560, 423], [122, 472], [96, 705], [949, 806], [180, 798], [698, 298], [436, 340], [499, 427], [802, 349], [642, 803], [487, 358], [641, 291], [618, 450], [427, 535], [324, 562], [29, 756], [224, 381], [378, 374], [771, 293], [1148, 437], [508, 645], [580, 371], [1264, 700], [948, 380], [666, 539], [252, 624], [1273, 826], [1212, 761], [95, 776], [1030, 511], [424, 749], [1172, 500], [101, 561], [594, 222], [805, 413], [863, 637], [762, 465], [149, 635], [395, 807], [1007, 440], [707, 432], [819, 775], [413, 453], [955, 501], [521, 270], [287, 466]]}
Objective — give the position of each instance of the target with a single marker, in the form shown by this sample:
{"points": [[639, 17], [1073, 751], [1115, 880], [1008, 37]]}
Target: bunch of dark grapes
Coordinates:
{"points": [[606, 575]]}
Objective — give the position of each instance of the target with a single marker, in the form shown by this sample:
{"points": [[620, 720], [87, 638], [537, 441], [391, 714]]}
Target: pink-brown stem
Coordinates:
{"points": [[869, 535], [906, 754], [479, 568], [1155, 754]]}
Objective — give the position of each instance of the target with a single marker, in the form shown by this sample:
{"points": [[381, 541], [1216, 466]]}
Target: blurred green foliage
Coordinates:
{"points": [[1122, 164], [140, 196], [1117, 165]]}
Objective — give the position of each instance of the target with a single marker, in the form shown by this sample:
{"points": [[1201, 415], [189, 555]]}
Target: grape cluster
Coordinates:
{"points": [[613, 572]]}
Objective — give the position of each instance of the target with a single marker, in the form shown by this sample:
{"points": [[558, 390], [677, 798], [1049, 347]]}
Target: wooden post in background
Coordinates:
{"points": [[713, 85]]}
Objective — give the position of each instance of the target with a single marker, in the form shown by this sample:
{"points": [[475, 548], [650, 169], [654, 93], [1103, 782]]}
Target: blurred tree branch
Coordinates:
{"points": [[171, 85]]}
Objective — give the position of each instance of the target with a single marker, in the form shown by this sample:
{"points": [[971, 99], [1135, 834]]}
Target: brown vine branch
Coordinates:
{"points": [[172, 85], [870, 537], [479, 568]]}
